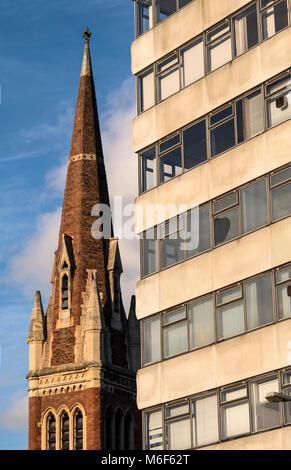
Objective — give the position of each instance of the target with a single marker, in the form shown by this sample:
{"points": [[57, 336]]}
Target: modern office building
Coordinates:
{"points": [[83, 354], [212, 131]]}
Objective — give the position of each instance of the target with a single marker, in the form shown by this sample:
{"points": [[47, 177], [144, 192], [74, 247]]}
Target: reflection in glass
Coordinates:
{"points": [[226, 226]]}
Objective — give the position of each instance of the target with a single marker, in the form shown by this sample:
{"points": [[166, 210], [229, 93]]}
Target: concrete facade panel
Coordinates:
{"points": [[243, 73]]}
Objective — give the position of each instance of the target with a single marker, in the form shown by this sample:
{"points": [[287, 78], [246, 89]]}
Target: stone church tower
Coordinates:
{"points": [[83, 354]]}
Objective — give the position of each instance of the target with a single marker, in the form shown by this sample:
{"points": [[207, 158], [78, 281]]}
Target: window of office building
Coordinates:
{"points": [[222, 130], [150, 252], [283, 280], [147, 90], [235, 412], [205, 420], [230, 313], [278, 95], [245, 28], [274, 17], [144, 16], [201, 322], [170, 158], [226, 218], [198, 230], [175, 332], [195, 145], [172, 234], [250, 116], [178, 427], [192, 60], [229, 412], [281, 194], [218, 46], [154, 430], [259, 301], [148, 169], [165, 8], [254, 209], [168, 77], [265, 414], [152, 340]]}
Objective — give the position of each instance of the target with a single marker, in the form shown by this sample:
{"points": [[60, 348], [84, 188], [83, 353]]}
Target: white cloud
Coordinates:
{"points": [[16, 416], [31, 268], [65, 115]]}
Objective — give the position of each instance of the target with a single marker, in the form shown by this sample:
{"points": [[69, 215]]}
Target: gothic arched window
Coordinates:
{"points": [[118, 430], [78, 430], [128, 432], [51, 432], [109, 429], [65, 431], [65, 292]]}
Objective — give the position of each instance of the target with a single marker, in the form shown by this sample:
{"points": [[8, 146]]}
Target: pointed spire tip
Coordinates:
{"points": [[87, 35]]}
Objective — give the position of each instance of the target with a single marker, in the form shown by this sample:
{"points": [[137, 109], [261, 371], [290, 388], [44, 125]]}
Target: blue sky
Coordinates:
{"points": [[41, 48]]}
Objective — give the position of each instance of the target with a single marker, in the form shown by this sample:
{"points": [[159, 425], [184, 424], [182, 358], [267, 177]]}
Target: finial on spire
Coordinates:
{"points": [[87, 35]]}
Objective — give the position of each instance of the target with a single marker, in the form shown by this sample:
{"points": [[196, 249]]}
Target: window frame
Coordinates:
{"points": [[213, 215], [249, 398], [216, 307], [206, 44]]}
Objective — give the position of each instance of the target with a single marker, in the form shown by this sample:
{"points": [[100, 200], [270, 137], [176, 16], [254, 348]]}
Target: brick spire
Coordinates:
{"points": [[86, 186]]}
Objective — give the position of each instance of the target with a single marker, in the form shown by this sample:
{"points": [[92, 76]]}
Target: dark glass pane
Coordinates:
{"points": [[52, 446], [165, 8], [281, 177], [221, 115], [195, 149], [226, 226], [79, 433], [172, 252], [281, 202], [79, 444], [217, 32], [225, 202], [65, 424], [148, 169], [79, 422], [65, 445], [222, 138], [169, 143], [65, 282], [254, 207], [65, 304], [65, 295], [52, 426], [170, 165], [52, 437], [182, 3]]}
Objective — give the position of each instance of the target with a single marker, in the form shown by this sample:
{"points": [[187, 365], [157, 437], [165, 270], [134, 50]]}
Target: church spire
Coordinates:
{"points": [[86, 186], [86, 139]]}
